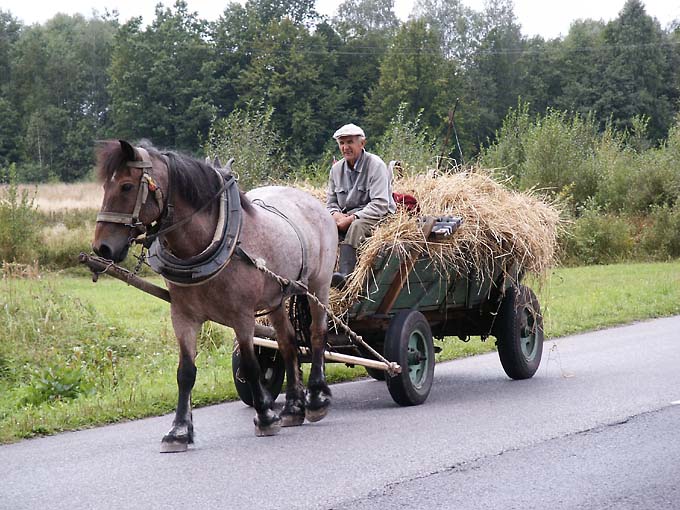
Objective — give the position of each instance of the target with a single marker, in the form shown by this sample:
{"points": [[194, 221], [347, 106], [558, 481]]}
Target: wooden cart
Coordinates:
{"points": [[408, 302]]}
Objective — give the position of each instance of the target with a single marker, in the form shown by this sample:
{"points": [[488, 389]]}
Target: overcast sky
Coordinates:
{"points": [[549, 18]]}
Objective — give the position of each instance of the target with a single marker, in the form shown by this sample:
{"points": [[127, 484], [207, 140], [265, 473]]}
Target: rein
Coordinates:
{"points": [[147, 238]]}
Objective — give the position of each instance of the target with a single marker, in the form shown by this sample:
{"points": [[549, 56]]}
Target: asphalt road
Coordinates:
{"points": [[597, 427]]}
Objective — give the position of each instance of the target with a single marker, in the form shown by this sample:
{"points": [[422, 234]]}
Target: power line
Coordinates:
{"points": [[411, 51]]}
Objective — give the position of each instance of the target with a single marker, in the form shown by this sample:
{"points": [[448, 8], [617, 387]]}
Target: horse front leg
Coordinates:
{"points": [[318, 399], [267, 422], [181, 434], [293, 413]]}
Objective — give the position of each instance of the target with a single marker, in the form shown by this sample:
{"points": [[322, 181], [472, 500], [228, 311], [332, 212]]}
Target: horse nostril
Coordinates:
{"points": [[103, 250]]}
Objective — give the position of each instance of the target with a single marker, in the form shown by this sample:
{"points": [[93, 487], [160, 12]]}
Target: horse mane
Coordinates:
{"points": [[193, 180]]}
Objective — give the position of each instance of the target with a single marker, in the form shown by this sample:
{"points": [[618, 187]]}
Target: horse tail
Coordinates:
{"points": [[301, 318]]}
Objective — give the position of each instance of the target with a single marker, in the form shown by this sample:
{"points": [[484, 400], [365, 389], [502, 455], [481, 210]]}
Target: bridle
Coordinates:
{"points": [[195, 269], [146, 185]]}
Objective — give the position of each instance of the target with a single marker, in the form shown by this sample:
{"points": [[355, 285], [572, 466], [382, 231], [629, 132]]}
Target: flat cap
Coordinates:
{"points": [[349, 130]]}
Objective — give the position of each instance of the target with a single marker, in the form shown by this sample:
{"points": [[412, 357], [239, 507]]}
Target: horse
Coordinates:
{"points": [[210, 241]]}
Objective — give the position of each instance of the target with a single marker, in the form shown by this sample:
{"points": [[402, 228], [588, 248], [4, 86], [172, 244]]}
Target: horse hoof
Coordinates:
{"points": [[269, 430], [292, 420], [314, 415], [174, 446]]}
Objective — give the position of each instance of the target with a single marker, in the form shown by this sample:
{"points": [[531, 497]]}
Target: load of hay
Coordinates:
{"points": [[499, 226]]}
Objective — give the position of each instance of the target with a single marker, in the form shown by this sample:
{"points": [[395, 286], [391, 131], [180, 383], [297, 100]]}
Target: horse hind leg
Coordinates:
{"points": [[267, 422], [181, 435], [318, 399]]}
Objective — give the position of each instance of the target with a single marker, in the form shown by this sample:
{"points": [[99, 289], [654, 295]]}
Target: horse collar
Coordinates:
{"points": [[216, 256]]}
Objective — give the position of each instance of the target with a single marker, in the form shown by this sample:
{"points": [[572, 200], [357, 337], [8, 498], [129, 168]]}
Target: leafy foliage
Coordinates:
{"points": [[73, 80], [161, 79], [247, 136], [407, 141], [18, 226], [54, 383], [661, 240], [598, 238]]}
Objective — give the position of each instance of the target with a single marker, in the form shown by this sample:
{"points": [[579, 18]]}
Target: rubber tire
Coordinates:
{"points": [[410, 327], [375, 373], [271, 366], [520, 356]]}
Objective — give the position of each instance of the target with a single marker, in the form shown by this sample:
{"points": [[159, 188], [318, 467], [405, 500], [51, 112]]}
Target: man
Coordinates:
{"points": [[359, 195]]}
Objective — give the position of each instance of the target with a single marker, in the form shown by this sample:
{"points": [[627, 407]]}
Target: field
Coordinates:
{"points": [[50, 198], [78, 354]]}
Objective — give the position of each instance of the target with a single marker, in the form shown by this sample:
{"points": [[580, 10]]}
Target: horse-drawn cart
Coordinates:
{"points": [[409, 302]]}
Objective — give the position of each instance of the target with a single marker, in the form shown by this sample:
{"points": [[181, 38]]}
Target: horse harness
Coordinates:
{"points": [[225, 242], [146, 185]]}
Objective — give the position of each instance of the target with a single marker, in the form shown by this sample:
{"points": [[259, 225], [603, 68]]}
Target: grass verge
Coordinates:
{"points": [[75, 354]]}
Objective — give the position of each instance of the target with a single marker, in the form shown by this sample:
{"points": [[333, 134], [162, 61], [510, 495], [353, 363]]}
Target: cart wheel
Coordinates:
{"points": [[519, 333], [271, 366], [375, 373], [408, 341]]}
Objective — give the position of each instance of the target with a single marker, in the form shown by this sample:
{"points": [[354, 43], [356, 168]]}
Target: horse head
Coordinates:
{"points": [[130, 176]]}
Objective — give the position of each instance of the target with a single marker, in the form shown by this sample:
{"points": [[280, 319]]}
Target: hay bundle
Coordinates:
{"points": [[500, 225]]}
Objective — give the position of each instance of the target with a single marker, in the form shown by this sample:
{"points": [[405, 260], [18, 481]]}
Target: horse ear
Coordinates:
{"points": [[128, 150], [217, 163]]}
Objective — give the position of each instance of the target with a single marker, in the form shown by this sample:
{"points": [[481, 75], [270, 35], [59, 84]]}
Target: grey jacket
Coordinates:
{"points": [[371, 195]]}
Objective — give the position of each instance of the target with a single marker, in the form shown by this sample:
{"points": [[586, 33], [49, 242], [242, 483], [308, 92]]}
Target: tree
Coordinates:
{"points": [[582, 59], [414, 72], [59, 93], [10, 30], [360, 17], [291, 71], [637, 79], [460, 27], [495, 73], [161, 79], [364, 29]]}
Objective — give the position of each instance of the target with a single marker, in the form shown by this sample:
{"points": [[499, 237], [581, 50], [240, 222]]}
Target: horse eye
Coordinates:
{"points": [[127, 186]]}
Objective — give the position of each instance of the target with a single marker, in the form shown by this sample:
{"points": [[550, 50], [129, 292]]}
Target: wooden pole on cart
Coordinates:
{"points": [[101, 266]]}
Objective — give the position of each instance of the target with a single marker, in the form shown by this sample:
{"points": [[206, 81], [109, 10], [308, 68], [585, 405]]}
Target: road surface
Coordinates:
{"points": [[597, 427]]}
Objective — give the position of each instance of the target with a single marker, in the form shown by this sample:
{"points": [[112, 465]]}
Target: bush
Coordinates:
{"points": [[19, 228], [407, 141], [248, 137], [57, 382], [559, 152], [657, 183], [615, 164], [61, 245], [507, 155], [598, 239], [661, 239]]}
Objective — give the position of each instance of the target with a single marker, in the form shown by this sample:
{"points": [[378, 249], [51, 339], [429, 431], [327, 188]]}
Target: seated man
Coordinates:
{"points": [[359, 195]]}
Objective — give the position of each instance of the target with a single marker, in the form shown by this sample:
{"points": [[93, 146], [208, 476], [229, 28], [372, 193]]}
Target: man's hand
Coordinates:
{"points": [[343, 221]]}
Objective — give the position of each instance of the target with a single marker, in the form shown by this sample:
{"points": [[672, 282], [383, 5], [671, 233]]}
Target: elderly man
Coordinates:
{"points": [[359, 195]]}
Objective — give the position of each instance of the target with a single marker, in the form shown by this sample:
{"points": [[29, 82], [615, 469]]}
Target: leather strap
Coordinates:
{"points": [[207, 264], [146, 184]]}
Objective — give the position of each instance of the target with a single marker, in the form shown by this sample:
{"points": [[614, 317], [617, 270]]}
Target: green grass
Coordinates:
{"points": [[76, 354]]}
